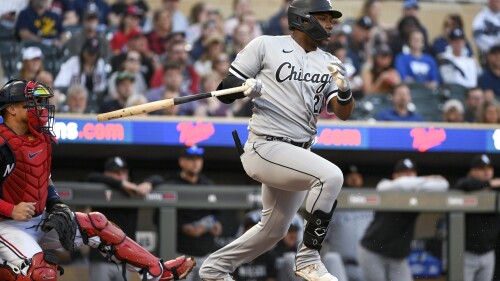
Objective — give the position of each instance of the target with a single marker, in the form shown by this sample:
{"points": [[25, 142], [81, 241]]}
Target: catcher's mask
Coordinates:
{"points": [[300, 17], [36, 97]]}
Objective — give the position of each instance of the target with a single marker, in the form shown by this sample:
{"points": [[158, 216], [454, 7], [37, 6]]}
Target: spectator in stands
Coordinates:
{"points": [[129, 24], [209, 29], [90, 24], [212, 107], [417, 66], [32, 63], [46, 78], [172, 88], [486, 26], [453, 111], [138, 42], [378, 34], [131, 65], [124, 83], [37, 23], [241, 37], [180, 22], [385, 245], [76, 99], [262, 268], [119, 9], [378, 74], [489, 81], [8, 16], [87, 69], [162, 28], [196, 228], [481, 230], [441, 43], [116, 177], [198, 16], [399, 111], [65, 9], [275, 24], [474, 98], [455, 67], [100, 5], [221, 64], [399, 41], [489, 113], [348, 228], [411, 9], [214, 45], [242, 13], [177, 54], [357, 48]]}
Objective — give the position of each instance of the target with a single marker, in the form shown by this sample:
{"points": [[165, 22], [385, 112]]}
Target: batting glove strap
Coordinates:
{"points": [[344, 98], [341, 76]]}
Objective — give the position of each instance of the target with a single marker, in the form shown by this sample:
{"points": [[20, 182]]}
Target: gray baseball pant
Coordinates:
{"points": [[287, 173]]}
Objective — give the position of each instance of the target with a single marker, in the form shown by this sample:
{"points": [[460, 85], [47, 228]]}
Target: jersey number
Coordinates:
{"points": [[318, 104]]}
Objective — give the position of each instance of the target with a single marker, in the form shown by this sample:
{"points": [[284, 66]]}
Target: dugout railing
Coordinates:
{"points": [[170, 197]]}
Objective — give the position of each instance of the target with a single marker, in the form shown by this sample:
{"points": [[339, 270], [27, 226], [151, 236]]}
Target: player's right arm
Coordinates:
{"points": [[244, 68]]}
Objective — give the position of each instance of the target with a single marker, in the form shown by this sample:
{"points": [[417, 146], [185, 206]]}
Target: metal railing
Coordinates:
{"points": [[170, 197]]}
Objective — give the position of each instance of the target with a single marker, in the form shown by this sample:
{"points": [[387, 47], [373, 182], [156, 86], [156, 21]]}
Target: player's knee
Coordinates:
{"points": [[43, 266], [334, 179], [277, 233]]}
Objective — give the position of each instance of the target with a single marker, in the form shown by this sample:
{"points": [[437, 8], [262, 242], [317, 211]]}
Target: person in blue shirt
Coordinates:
{"points": [[417, 66], [100, 5], [399, 111], [489, 81], [37, 23]]}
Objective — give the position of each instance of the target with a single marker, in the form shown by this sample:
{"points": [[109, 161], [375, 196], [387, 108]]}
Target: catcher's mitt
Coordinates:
{"points": [[61, 219]]}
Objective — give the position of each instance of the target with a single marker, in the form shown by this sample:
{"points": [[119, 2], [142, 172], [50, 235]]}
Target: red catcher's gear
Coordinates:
{"points": [[27, 180], [127, 250], [39, 270]]}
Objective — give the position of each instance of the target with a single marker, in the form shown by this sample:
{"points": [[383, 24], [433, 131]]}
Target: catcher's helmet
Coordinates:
{"points": [[36, 98], [299, 17]]}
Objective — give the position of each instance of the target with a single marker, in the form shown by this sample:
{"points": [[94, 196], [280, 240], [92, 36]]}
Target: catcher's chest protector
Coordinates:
{"points": [[26, 179]]}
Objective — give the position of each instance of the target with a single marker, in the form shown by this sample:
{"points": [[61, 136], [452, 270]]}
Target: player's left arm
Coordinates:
{"points": [[343, 103]]}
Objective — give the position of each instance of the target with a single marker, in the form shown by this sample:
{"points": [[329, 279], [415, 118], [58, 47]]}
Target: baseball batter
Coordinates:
{"points": [[32, 216], [290, 86]]}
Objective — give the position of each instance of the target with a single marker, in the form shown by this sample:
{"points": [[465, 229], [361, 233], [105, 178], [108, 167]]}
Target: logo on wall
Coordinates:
{"points": [[193, 133], [496, 139], [427, 138]]}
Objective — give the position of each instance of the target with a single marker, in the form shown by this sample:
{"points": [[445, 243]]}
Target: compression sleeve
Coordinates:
{"points": [[52, 198], [230, 81], [6, 208]]}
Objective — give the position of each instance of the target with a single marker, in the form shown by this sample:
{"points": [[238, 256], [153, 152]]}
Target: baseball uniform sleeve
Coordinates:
{"points": [[248, 62]]}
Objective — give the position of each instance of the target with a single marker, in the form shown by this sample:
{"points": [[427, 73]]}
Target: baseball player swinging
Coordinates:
{"points": [[290, 86], [32, 216]]}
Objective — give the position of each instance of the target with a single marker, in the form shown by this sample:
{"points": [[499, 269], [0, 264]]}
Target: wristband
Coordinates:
{"points": [[344, 101]]}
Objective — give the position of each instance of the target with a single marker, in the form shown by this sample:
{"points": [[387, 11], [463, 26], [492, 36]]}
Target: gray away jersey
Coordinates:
{"points": [[297, 85]]}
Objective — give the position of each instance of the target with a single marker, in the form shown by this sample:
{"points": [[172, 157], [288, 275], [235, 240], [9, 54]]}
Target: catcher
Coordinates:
{"points": [[32, 216]]}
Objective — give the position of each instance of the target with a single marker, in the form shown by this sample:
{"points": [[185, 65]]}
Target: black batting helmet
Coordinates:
{"points": [[299, 17]]}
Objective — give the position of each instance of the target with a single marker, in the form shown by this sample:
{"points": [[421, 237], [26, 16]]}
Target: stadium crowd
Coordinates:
{"points": [[105, 55]]}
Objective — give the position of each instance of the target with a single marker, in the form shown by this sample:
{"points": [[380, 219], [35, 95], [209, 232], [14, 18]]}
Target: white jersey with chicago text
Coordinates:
{"points": [[297, 85]]}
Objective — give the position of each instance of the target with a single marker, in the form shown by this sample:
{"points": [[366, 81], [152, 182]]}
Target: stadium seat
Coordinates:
{"points": [[370, 105], [453, 91], [9, 52]]}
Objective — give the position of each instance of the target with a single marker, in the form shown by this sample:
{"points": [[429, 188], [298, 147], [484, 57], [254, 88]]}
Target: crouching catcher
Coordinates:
{"points": [[33, 219]]}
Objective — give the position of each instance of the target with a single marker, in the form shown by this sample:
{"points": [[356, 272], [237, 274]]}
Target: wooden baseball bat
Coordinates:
{"points": [[161, 104]]}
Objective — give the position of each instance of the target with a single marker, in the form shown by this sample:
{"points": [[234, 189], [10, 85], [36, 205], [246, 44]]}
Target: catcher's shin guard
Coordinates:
{"points": [[41, 267], [317, 227], [120, 247]]}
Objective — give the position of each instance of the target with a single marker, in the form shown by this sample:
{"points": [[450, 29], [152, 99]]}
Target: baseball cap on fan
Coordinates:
{"points": [[410, 4], [405, 164], [115, 164], [481, 161], [32, 52], [456, 33]]}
